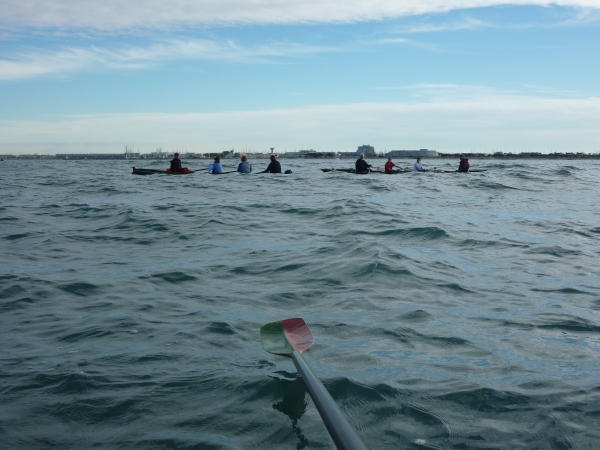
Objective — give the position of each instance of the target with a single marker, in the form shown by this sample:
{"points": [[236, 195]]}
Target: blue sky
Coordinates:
{"points": [[208, 76]]}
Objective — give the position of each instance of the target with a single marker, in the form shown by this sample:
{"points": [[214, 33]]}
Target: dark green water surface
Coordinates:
{"points": [[449, 311]]}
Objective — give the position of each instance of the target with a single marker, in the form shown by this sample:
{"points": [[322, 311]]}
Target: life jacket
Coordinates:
{"points": [[464, 165]]}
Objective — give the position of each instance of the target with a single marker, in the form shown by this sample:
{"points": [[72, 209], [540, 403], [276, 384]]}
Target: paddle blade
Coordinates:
{"points": [[285, 336]]}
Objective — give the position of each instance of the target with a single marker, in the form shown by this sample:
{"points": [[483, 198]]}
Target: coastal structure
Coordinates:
{"points": [[367, 150], [308, 154], [299, 154], [423, 153], [96, 156], [131, 154]]}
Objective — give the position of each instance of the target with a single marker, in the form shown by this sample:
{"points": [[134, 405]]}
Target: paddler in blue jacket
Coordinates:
{"points": [[244, 166], [216, 167]]}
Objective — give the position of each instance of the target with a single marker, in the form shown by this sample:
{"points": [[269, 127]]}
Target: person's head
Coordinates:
{"points": [[273, 158], [176, 155], [244, 158], [217, 159], [462, 156], [418, 159], [362, 156], [389, 158]]}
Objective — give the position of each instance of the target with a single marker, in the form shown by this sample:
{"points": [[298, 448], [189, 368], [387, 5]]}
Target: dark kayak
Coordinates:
{"points": [[366, 173], [456, 171], [154, 171]]}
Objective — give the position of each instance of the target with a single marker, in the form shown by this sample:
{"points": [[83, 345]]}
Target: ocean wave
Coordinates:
{"points": [[131, 307]]}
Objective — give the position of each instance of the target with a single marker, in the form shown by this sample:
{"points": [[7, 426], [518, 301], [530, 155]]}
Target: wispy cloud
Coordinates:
{"points": [[405, 42], [461, 92], [465, 23], [448, 91], [448, 117], [392, 40], [151, 14], [30, 63]]}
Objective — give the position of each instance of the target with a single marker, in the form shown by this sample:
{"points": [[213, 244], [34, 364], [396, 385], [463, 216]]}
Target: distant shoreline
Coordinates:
{"points": [[120, 157]]}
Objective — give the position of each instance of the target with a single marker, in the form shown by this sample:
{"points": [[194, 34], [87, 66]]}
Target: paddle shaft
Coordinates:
{"points": [[342, 433]]}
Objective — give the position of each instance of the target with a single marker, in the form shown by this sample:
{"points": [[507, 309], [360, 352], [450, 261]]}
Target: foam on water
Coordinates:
{"points": [[449, 310]]}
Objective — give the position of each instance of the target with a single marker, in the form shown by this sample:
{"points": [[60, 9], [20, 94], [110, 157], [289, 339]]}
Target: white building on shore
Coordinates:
{"points": [[367, 150]]}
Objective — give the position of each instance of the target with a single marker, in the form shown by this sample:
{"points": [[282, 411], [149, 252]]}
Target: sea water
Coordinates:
{"points": [[450, 311]]}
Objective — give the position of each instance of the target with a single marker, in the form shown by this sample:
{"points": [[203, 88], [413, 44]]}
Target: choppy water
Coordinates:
{"points": [[449, 311]]}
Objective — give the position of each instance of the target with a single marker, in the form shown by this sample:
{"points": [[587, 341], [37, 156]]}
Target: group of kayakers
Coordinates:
{"points": [[363, 166], [216, 168], [274, 166]]}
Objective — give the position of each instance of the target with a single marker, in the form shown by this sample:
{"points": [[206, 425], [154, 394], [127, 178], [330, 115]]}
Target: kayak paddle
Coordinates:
{"points": [[292, 337]]}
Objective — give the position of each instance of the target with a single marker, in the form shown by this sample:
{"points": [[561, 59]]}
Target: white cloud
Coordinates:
{"points": [[36, 62], [466, 23], [406, 42], [127, 14], [447, 118]]}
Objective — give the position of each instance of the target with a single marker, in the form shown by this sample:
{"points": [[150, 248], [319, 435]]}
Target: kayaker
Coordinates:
{"points": [[418, 166], [361, 165], [274, 166], [244, 166], [464, 164], [176, 165], [389, 166], [216, 167]]}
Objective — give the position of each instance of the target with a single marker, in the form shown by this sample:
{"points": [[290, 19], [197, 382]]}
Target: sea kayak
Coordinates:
{"points": [[137, 171], [456, 171], [339, 170], [367, 173]]}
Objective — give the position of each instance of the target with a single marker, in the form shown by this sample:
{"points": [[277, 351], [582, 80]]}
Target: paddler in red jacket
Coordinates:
{"points": [[464, 164], [389, 166]]}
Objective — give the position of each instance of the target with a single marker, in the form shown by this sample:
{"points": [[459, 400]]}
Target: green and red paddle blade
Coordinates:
{"points": [[285, 336]]}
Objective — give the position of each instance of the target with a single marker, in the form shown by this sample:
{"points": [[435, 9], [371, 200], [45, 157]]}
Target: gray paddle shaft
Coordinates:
{"points": [[343, 435]]}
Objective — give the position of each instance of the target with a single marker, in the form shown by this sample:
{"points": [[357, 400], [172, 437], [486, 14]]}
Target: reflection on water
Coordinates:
{"points": [[293, 404]]}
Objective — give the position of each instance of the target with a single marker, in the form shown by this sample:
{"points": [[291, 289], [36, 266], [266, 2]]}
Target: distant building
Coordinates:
{"points": [[367, 150], [130, 154], [299, 154], [423, 153]]}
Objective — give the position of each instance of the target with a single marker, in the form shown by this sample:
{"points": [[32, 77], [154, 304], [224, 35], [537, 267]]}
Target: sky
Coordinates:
{"points": [[214, 75]]}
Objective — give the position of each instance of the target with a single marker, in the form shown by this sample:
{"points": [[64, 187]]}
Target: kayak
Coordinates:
{"points": [[372, 171], [456, 171], [154, 171], [404, 171]]}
